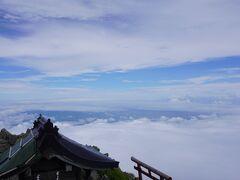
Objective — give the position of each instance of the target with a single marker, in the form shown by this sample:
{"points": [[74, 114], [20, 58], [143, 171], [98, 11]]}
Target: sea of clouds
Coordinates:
{"points": [[206, 147]]}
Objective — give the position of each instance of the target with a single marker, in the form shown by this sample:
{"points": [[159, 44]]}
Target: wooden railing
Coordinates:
{"points": [[149, 171]]}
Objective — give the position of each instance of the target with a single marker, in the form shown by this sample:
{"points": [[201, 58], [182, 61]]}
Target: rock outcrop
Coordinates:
{"points": [[7, 139]]}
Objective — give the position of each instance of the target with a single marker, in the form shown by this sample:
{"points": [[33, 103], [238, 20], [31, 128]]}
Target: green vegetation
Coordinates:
{"points": [[115, 174], [112, 174]]}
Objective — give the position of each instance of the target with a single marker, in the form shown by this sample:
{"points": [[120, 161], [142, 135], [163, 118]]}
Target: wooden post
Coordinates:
{"points": [[139, 172]]}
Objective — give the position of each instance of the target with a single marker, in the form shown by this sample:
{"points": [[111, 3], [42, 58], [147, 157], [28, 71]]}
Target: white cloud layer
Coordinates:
{"points": [[200, 149], [137, 34]]}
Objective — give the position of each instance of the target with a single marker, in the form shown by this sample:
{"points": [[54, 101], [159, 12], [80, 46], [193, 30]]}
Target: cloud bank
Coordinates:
{"points": [[204, 148], [200, 150]]}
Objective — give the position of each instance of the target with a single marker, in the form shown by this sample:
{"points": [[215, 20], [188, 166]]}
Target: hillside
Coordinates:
{"points": [[7, 139]]}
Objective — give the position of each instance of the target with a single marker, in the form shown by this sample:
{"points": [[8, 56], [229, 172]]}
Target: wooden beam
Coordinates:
{"points": [[150, 170]]}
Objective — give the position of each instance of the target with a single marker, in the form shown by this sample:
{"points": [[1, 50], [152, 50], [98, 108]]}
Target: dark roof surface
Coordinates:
{"points": [[44, 140]]}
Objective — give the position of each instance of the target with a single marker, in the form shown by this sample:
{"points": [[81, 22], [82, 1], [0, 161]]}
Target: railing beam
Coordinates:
{"points": [[149, 172]]}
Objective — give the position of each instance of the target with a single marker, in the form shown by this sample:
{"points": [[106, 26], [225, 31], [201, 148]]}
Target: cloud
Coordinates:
{"points": [[233, 70], [15, 119], [120, 36], [223, 74], [74, 51], [200, 147], [88, 79], [36, 10], [216, 97], [131, 81], [172, 145]]}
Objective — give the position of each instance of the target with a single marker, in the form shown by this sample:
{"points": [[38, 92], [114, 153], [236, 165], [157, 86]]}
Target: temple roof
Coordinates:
{"points": [[44, 140]]}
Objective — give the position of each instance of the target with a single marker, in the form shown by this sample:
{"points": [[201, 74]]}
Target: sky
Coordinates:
{"points": [[153, 54], [79, 55]]}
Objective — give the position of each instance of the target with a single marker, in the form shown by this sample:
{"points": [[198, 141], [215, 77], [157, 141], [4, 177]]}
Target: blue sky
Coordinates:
{"points": [[104, 54], [146, 77]]}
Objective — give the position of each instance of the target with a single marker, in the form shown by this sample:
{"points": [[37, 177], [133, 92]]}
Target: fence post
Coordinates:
{"points": [[139, 172]]}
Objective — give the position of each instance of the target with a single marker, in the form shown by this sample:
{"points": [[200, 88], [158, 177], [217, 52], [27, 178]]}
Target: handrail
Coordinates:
{"points": [[149, 172]]}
